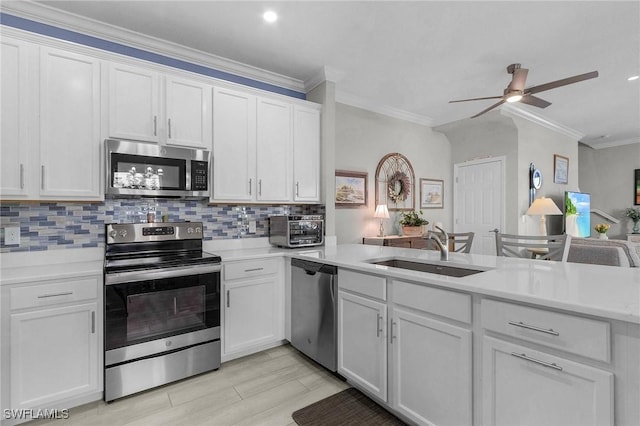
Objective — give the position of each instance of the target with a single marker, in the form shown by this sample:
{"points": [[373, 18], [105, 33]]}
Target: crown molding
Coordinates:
{"points": [[68, 21], [514, 111], [323, 74], [358, 102], [601, 145]]}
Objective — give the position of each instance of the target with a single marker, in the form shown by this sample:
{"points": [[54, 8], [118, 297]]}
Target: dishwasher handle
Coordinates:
{"points": [[312, 268]]}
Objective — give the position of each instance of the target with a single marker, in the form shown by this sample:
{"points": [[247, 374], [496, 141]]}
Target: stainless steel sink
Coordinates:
{"points": [[451, 271]]}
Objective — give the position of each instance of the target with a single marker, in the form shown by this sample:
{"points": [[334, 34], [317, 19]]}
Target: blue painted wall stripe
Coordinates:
{"points": [[87, 40]]}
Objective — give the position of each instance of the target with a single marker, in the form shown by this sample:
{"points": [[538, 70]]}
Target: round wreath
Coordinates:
{"points": [[399, 187]]}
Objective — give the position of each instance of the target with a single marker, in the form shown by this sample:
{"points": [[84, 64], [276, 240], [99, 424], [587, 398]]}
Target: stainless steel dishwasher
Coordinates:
{"points": [[313, 311]]}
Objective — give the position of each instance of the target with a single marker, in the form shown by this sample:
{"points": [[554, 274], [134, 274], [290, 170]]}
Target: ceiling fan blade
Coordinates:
{"points": [[532, 100], [563, 82], [489, 109], [476, 99], [519, 79]]}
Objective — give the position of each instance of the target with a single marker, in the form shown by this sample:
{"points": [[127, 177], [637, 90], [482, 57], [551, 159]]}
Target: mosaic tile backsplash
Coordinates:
{"points": [[52, 226]]}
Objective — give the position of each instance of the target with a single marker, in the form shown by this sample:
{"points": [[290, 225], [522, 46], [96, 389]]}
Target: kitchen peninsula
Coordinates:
{"points": [[544, 341]]}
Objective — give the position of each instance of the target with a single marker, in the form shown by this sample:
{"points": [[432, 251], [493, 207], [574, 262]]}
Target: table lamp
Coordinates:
{"points": [[541, 207], [382, 213]]}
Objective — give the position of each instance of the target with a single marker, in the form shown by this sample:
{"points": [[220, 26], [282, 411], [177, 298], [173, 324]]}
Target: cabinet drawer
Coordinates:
{"points": [[251, 268], [54, 293], [369, 285], [448, 304], [581, 336]]}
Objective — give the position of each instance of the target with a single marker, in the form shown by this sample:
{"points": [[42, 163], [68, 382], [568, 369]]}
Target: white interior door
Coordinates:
{"points": [[478, 206]]}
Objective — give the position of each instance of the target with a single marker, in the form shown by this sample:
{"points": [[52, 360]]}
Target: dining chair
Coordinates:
{"points": [[459, 242], [546, 247]]}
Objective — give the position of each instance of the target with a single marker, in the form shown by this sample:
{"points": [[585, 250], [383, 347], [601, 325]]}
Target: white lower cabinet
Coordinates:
{"points": [[522, 386], [253, 300], [362, 354], [431, 369], [55, 338]]}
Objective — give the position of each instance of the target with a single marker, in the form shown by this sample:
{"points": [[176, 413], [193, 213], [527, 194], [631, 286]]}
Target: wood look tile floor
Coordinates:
{"points": [[259, 389]]}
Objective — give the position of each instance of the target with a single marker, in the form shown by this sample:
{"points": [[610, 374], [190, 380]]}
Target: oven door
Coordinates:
{"points": [[148, 312]]}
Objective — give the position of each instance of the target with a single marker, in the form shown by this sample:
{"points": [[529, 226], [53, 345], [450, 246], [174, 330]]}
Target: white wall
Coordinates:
{"points": [[537, 144], [362, 139], [608, 175]]}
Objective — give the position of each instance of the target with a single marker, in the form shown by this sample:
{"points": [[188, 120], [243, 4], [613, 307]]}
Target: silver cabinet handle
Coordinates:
{"points": [[21, 176], [228, 299], [378, 328], [534, 328], [537, 361], [93, 322], [253, 269], [250, 185], [297, 188], [391, 335], [155, 125], [44, 296], [259, 186], [42, 176], [169, 120]]}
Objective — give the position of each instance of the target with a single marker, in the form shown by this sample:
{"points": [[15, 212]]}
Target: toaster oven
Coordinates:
{"points": [[296, 230]]}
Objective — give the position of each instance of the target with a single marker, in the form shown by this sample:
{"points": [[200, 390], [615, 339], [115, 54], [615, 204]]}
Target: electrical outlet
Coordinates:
{"points": [[12, 236], [252, 226]]}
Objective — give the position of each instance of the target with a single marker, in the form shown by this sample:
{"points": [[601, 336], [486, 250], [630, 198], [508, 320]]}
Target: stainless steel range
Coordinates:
{"points": [[162, 306]]}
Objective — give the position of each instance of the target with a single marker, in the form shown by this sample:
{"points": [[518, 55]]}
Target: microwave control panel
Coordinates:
{"points": [[199, 175]]}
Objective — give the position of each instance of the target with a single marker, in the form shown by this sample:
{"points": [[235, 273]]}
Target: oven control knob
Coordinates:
{"points": [[198, 230], [123, 233], [113, 233], [189, 230]]}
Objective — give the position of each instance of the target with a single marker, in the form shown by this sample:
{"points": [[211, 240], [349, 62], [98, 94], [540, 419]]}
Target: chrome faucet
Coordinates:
{"points": [[443, 246]]}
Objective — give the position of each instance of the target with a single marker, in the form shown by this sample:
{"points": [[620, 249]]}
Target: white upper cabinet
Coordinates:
{"points": [[145, 105], [14, 103], [69, 125], [273, 150], [188, 113], [134, 99], [306, 154], [256, 141], [234, 145]]}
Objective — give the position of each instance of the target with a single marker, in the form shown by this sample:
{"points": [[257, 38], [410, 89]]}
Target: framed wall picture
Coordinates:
{"points": [[560, 169], [351, 189], [636, 188], [431, 194]]}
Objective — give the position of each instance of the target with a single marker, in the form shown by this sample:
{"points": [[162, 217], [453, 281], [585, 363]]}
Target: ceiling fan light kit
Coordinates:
{"points": [[516, 91]]}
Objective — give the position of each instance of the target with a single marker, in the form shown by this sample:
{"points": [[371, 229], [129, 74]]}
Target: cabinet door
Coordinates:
{"points": [[14, 102], [362, 346], [306, 154], [252, 314], [134, 103], [188, 113], [522, 386], [234, 145], [273, 150], [54, 355], [69, 125], [432, 379]]}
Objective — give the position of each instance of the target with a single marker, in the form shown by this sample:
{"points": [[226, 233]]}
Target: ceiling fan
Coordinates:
{"points": [[516, 92]]}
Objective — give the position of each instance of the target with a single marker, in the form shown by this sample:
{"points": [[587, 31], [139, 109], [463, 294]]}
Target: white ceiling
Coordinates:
{"points": [[415, 56]]}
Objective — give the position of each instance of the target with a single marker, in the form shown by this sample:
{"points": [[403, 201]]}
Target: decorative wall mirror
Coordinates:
{"points": [[395, 182]]}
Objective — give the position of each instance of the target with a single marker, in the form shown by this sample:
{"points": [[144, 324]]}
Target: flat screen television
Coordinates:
{"points": [[577, 214]]}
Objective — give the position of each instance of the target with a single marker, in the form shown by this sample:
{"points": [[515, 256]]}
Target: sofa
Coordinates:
{"points": [[604, 252]]}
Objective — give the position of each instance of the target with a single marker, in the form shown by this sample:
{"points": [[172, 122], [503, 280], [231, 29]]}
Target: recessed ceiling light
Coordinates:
{"points": [[270, 16], [633, 77]]}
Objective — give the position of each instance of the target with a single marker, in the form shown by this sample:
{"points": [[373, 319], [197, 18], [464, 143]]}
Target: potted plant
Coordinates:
{"points": [[412, 223], [634, 214], [601, 229]]}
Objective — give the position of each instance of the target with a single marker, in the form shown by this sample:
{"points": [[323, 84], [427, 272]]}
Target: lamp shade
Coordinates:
{"points": [[381, 211], [543, 206]]}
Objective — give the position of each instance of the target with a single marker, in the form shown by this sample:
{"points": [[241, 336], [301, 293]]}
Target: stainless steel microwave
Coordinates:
{"points": [[151, 170], [296, 230]]}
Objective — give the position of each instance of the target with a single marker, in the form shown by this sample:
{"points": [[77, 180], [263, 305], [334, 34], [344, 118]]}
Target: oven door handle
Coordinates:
{"points": [[156, 274]]}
